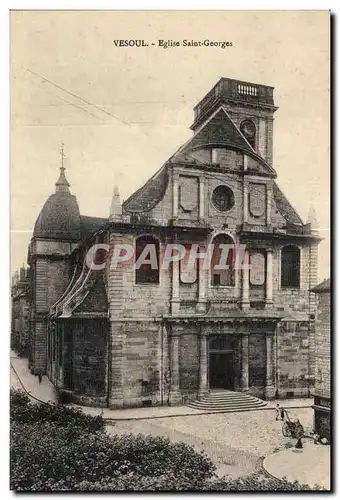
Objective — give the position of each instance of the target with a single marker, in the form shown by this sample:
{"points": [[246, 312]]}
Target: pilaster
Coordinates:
{"points": [[174, 394], [245, 281], [175, 193], [201, 199], [203, 374], [245, 361], [269, 276], [270, 385]]}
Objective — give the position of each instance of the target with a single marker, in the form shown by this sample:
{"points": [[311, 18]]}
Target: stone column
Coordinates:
{"points": [[269, 388], [203, 381], [244, 361], [174, 395], [245, 281], [269, 277], [201, 201], [175, 183]]}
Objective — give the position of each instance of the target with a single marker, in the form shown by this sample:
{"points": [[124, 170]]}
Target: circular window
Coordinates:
{"points": [[248, 129], [223, 198]]}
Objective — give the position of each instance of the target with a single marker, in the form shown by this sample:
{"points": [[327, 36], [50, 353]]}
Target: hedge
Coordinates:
{"points": [[47, 457], [24, 411]]}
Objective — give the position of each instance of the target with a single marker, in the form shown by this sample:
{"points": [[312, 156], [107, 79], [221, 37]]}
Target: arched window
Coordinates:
{"points": [[290, 267], [223, 256], [147, 260]]}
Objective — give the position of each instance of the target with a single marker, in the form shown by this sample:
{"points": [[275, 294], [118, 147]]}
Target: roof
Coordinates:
{"points": [[324, 286], [219, 130], [149, 195], [59, 218], [284, 207], [89, 225]]}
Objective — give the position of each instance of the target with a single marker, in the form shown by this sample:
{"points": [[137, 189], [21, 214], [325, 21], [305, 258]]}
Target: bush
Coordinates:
{"points": [[24, 411], [258, 482], [46, 457], [19, 398]]}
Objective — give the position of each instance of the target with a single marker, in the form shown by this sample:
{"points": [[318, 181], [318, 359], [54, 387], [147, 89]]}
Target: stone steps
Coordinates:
{"points": [[227, 401]]}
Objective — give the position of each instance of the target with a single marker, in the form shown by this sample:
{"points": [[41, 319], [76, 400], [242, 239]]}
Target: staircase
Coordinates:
{"points": [[227, 401]]}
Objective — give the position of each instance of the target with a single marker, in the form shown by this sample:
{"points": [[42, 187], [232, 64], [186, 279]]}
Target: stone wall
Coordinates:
{"points": [[294, 362], [257, 363], [90, 359], [323, 347], [138, 363]]}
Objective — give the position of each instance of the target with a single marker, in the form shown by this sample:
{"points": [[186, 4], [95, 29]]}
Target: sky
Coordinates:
{"points": [[122, 111]]}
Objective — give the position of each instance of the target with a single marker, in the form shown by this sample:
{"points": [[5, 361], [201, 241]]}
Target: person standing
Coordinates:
{"points": [[277, 411], [282, 413]]}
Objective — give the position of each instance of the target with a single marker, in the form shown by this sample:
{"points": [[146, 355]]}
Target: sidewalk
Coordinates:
{"points": [[21, 376], [311, 465], [46, 392]]}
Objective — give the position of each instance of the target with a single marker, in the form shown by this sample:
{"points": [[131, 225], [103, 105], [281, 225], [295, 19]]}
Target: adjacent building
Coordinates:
{"points": [[20, 327], [322, 393], [124, 337]]}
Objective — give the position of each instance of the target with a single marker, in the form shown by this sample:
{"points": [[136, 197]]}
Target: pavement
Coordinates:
{"points": [[311, 465], [21, 378]]}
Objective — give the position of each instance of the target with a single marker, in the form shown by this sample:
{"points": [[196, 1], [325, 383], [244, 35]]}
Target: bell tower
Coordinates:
{"points": [[249, 105]]}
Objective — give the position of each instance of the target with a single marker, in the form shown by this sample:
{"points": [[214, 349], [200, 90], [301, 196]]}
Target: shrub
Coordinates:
{"points": [[24, 411], [46, 457], [19, 398], [258, 482]]}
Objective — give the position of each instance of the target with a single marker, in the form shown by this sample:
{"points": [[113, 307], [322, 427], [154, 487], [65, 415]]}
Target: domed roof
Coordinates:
{"points": [[59, 218]]}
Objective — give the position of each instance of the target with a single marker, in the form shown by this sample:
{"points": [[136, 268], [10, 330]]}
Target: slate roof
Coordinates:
{"points": [[324, 286], [59, 218], [149, 195], [284, 207], [89, 225]]}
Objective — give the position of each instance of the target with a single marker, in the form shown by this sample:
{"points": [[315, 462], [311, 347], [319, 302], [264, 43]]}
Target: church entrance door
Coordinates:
{"points": [[221, 371]]}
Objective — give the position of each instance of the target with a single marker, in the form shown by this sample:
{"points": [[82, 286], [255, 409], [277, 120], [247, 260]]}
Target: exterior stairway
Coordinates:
{"points": [[227, 401]]}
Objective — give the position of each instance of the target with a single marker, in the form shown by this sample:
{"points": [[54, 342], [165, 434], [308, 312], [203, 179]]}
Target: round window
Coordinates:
{"points": [[223, 198]]}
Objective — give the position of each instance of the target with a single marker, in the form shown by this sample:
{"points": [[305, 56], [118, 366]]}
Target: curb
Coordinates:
{"points": [[116, 419]]}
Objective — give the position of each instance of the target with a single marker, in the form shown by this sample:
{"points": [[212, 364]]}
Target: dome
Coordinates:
{"points": [[59, 218]]}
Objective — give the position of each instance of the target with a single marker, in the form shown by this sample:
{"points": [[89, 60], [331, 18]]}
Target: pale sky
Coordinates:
{"points": [[147, 95]]}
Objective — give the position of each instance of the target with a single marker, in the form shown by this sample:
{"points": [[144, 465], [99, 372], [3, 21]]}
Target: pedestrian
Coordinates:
{"points": [[299, 433], [282, 413], [277, 411], [40, 377]]}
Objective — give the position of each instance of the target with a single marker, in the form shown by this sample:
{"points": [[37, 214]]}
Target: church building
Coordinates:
{"points": [[122, 336]]}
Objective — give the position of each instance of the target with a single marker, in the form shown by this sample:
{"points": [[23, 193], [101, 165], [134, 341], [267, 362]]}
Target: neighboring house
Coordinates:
{"points": [[21, 300], [322, 393], [132, 337]]}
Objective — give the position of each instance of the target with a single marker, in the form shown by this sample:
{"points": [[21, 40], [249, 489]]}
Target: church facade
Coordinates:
{"points": [[121, 336]]}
